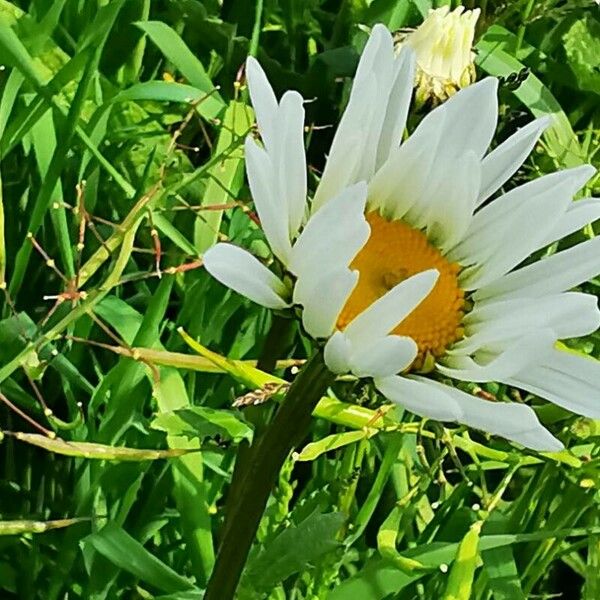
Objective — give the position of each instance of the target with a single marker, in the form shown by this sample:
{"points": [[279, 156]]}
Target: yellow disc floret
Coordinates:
{"points": [[394, 252]]}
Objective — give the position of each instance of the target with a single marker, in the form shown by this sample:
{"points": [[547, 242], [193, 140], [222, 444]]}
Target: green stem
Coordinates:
{"points": [[523, 26], [268, 453], [253, 50], [277, 339]]}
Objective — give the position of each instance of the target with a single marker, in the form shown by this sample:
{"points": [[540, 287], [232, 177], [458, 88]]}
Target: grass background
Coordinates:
{"points": [[121, 125]]}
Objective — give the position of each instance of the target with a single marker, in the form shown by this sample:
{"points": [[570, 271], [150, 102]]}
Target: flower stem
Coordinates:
{"points": [[267, 456]]}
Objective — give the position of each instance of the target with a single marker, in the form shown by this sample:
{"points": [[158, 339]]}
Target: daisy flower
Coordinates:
{"points": [[314, 252], [410, 264], [443, 47]]}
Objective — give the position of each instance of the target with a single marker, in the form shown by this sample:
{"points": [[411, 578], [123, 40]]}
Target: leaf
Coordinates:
{"points": [[9, 95], [225, 177], [246, 374], [23, 526], [460, 580], [291, 550], [15, 54], [189, 595], [582, 47], [390, 458], [387, 537], [163, 91], [125, 552], [423, 6], [169, 389], [95, 451], [170, 231], [381, 578], [331, 442], [202, 422], [499, 564], [176, 51]]}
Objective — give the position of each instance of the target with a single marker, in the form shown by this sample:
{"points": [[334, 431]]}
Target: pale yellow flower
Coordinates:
{"points": [[443, 45]]}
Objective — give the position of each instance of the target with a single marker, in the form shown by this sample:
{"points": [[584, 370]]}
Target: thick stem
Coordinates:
{"points": [[267, 455], [278, 338]]}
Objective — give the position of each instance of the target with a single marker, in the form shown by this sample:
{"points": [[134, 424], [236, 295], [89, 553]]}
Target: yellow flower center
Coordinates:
{"points": [[394, 252]]}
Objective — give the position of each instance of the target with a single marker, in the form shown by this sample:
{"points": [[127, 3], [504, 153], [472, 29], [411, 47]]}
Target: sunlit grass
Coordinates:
{"points": [[130, 381]]}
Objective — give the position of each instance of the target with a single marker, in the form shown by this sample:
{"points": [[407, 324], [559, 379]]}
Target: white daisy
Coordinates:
{"points": [[318, 258], [486, 318]]}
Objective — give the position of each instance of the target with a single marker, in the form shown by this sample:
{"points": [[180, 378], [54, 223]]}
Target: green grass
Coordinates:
{"points": [[121, 132]]}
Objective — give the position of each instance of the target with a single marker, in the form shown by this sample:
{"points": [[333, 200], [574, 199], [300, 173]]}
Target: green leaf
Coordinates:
{"points": [[15, 54], [313, 450], [582, 46], [291, 550], [246, 374], [95, 451], [176, 51], [125, 552], [191, 595], [460, 580], [381, 578], [423, 6], [202, 422], [169, 230], [226, 176], [499, 564], [164, 91], [390, 458], [23, 526], [9, 95]]}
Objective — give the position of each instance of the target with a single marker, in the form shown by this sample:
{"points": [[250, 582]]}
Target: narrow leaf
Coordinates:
{"points": [[125, 552], [202, 422], [96, 451]]}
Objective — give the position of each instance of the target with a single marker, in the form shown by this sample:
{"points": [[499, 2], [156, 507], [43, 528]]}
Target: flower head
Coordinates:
{"points": [[410, 266], [316, 252], [443, 49]]}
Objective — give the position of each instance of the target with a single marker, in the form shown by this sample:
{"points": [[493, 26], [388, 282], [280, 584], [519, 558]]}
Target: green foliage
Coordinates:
{"points": [[121, 146], [201, 422]]}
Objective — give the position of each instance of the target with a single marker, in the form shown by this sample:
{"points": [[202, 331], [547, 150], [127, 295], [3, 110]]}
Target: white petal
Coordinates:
{"points": [[292, 159], [567, 380], [472, 117], [516, 422], [337, 353], [272, 209], [263, 101], [383, 71], [528, 224], [492, 224], [470, 120], [243, 273], [579, 214], [401, 182], [362, 119], [333, 236], [452, 201], [557, 273], [345, 158], [398, 104], [512, 358], [341, 168], [423, 400], [504, 161], [325, 301], [392, 308], [570, 314], [383, 357]]}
